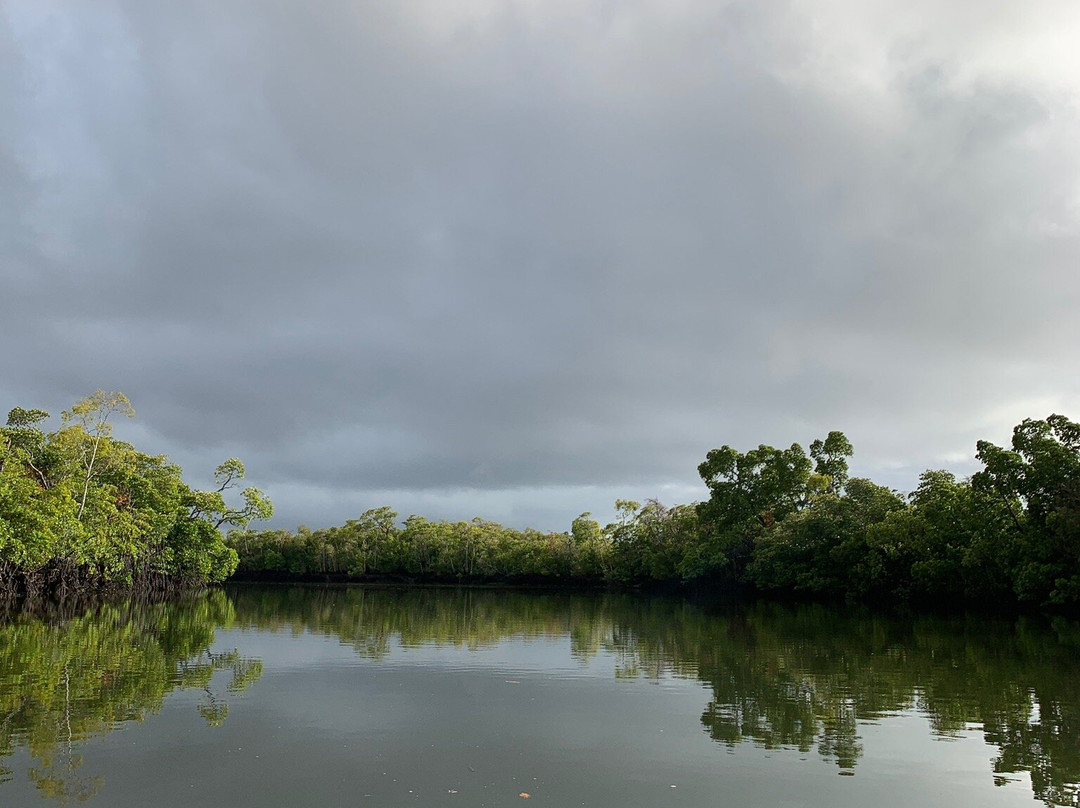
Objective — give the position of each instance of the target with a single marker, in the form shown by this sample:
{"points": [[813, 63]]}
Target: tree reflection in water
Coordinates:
{"points": [[804, 678], [66, 677], [799, 677]]}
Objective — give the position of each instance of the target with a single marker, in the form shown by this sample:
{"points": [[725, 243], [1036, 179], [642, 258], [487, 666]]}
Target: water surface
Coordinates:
{"points": [[346, 696]]}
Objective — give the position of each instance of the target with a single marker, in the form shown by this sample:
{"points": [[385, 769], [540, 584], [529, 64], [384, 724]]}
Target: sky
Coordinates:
{"points": [[516, 259]]}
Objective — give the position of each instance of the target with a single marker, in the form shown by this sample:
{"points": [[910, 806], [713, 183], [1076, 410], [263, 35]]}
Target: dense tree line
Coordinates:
{"points": [[378, 544], [1012, 531], [80, 509], [778, 520]]}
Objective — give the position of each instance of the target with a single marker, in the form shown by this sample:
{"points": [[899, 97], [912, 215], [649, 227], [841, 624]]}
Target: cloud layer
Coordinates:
{"points": [[515, 258]]}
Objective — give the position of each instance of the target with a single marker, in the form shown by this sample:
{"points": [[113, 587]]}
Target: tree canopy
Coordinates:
{"points": [[80, 509], [778, 520]]}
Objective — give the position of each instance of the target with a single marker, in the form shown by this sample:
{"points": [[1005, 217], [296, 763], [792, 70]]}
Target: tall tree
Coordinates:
{"points": [[748, 494], [1038, 481], [830, 459], [92, 415], [212, 505]]}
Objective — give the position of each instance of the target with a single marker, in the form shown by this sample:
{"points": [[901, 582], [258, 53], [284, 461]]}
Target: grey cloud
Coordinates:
{"points": [[473, 253]]}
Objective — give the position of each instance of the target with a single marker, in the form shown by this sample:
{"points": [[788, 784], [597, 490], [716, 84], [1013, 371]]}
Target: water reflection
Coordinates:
{"points": [[807, 677], [798, 677], [67, 677], [802, 678]]}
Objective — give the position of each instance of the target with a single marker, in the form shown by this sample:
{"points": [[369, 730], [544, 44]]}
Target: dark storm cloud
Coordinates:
{"points": [[517, 258]]}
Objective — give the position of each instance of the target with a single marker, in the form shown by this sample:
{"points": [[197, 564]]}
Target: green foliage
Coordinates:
{"points": [[950, 543], [779, 520], [830, 460], [212, 507], [1038, 483], [750, 493], [79, 508], [376, 544], [1012, 531], [824, 548], [652, 541]]}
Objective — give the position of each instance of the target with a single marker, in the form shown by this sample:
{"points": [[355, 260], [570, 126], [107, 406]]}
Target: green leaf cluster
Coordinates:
{"points": [[1011, 532], [81, 509]]}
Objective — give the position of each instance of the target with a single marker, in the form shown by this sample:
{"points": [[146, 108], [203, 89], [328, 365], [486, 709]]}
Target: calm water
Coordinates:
{"points": [[348, 697]]}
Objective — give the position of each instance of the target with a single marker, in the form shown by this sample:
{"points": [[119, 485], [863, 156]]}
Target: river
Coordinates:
{"points": [[349, 696]]}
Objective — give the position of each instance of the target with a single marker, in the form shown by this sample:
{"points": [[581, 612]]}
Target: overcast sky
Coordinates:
{"points": [[516, 258]]}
